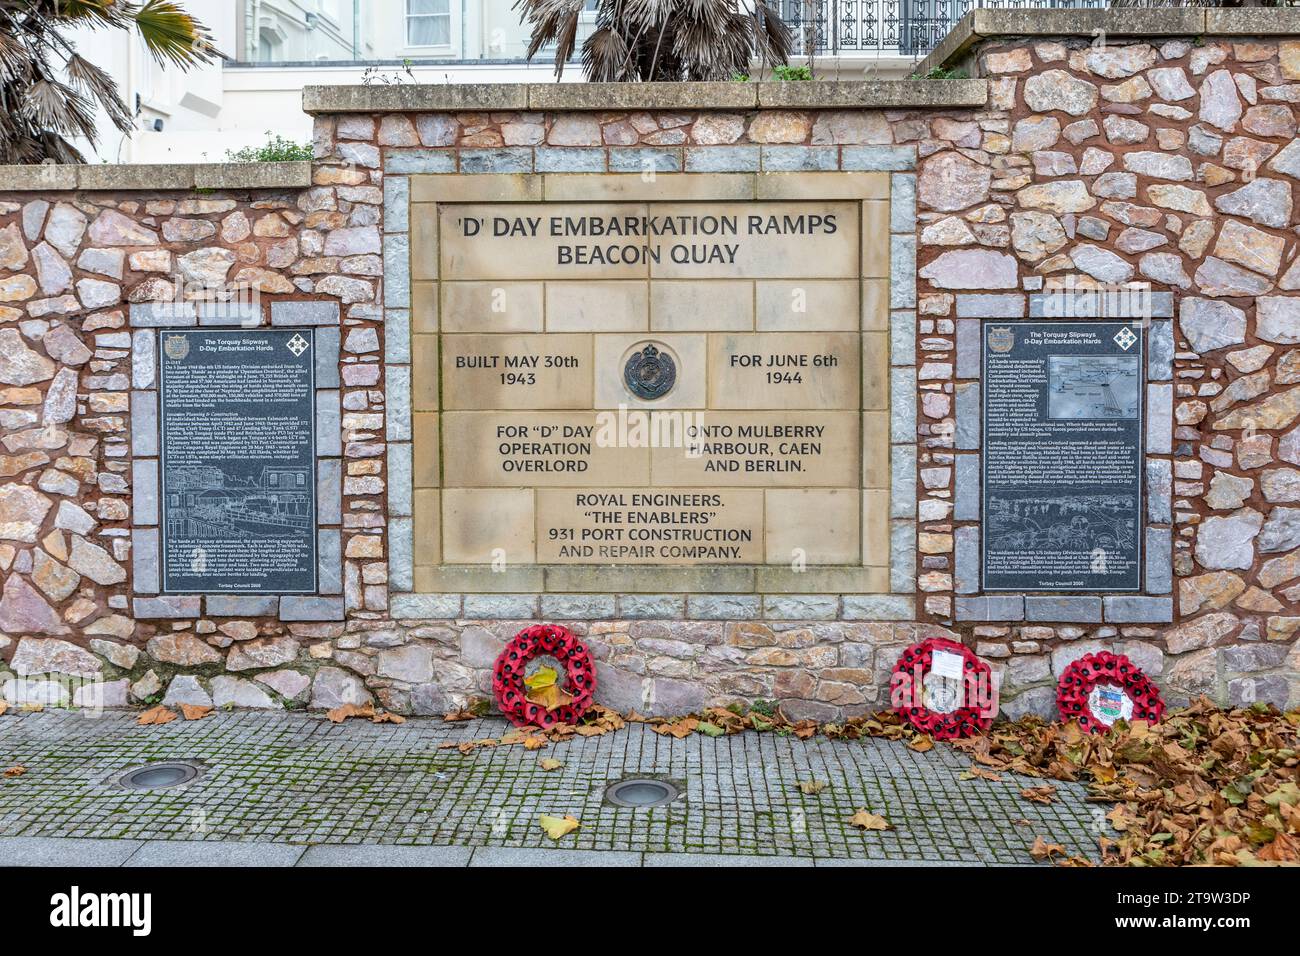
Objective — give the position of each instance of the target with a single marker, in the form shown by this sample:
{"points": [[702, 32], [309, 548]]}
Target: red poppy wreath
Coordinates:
{"points": [[942, 689], [1099, 689], [543, 699]]}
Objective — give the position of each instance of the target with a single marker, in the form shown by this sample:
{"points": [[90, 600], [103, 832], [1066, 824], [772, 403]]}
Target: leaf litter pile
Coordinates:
{"points": [[1203, 786]]}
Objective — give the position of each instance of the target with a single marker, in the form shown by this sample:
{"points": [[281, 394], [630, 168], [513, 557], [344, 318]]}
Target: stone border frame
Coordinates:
{"points": [[740, 592], [318, 318], [1154, 605]]}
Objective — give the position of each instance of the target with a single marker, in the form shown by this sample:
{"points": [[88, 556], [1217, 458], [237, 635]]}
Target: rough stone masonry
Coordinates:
{"points": [[1163, 155]]}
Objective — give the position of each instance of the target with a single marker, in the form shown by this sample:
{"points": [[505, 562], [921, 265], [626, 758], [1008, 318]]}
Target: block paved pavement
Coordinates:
{"points": [[293, 789]]}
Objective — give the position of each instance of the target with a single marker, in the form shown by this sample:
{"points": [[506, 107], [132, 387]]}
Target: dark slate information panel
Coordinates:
{"points": [[1062, 456], [238, 461]]}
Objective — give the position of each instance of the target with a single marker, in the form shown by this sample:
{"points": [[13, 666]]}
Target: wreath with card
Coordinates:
{"points": [[942, 689], [1099, 689], [541, 698]]}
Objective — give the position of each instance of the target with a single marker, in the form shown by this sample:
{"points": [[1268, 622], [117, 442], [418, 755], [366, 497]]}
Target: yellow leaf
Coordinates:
{"points": [[556, 827], [812, 787], [550, 763], [4, 705], [549, 696], [544, 677], [534, 743], [921, 743], [865, 820]]}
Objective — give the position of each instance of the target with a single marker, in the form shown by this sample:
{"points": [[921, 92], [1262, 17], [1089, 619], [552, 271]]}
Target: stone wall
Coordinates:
{"points": [[1160, 159]]}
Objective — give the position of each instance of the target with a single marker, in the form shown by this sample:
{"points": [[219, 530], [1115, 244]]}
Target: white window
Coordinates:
{"points": [[428, 22]]}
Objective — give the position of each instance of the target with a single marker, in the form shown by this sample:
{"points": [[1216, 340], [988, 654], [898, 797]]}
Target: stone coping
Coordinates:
{"points": [[985, 24], [156, 177], [485, 97]]}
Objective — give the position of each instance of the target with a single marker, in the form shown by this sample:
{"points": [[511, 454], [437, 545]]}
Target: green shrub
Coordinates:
{"points": [[276, 149], [792, 72]]}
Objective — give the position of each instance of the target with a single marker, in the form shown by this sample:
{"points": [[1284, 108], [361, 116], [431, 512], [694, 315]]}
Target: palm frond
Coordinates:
{"points": [[172, 35], [89, 79]]}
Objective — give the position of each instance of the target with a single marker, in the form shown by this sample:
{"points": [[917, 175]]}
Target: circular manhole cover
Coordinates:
{"points": [[642, 792], [158, 776]]}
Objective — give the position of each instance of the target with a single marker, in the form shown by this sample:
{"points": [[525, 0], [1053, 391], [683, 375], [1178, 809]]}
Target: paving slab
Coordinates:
{"points": [[719, 859], [214, 853], [385, 854], [537, 856], [54, 851]]}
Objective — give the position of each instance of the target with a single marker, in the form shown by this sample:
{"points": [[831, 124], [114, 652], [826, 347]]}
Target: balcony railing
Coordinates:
{"points": [[899, 27], [320, 33]]}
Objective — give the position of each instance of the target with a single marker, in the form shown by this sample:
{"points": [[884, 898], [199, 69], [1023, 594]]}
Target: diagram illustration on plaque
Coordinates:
{"points": [[239, 482]]}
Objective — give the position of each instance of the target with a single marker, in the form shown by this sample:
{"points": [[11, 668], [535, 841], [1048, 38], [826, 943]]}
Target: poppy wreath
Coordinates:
{"points": [[967, 719], [1116, 670], [508, 675]]}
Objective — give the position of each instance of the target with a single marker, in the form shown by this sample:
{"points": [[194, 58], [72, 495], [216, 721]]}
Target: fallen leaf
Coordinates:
{"points": [[4, 705], [557, 827], [343, 712], [981, 773], [195, 711], [921, 743], [156, 715], [387, 718], [865, 820], [533, 742], [1044, 794], [1042, 850], [17, 770], [542, 677], [709, 729], [550, 763], [549, 696], [812, 787]]}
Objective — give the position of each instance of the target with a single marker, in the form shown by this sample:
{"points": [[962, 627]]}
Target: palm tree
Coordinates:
{"points": [[49, 91], [660, 39]]}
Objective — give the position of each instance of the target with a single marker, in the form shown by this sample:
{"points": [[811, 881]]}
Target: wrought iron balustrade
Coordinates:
{"points": [[897, 27]]}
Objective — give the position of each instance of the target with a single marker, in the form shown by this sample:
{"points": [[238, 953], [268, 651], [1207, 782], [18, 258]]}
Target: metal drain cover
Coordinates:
{"points": [[642, 792], [159, 776]]}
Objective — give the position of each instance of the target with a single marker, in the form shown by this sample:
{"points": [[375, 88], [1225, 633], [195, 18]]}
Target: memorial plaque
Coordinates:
{"points": [[645, 383], [238, 461], [1062, 456]]}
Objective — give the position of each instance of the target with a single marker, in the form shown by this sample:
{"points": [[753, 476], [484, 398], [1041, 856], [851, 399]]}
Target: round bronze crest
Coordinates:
{"points": [[650, 373], [176, 347]]}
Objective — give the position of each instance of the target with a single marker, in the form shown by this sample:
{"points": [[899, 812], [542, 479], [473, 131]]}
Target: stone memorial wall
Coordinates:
{"points": [[752, 385]]}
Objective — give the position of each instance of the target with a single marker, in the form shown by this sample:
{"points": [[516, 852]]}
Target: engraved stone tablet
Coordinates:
{"points": [[1062, 456], [238, 461]]}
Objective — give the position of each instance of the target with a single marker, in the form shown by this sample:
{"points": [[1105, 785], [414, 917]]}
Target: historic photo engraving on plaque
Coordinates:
{"points": [[238, 461], [1062, 456]]}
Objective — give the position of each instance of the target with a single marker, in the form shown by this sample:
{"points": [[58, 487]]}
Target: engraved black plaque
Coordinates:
{"points": [[238, 461], [1062, 468]]}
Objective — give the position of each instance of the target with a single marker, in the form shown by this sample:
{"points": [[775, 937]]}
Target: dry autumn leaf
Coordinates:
{"points": [[4, 705], [344, 711], [1044, 794], [534, 742], [17, 770], [812, 787], [1042, 850], [920, 743], [550, 763], [195, 711], [156, 715], [865, 820], [387, 718], [557, 827]]}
